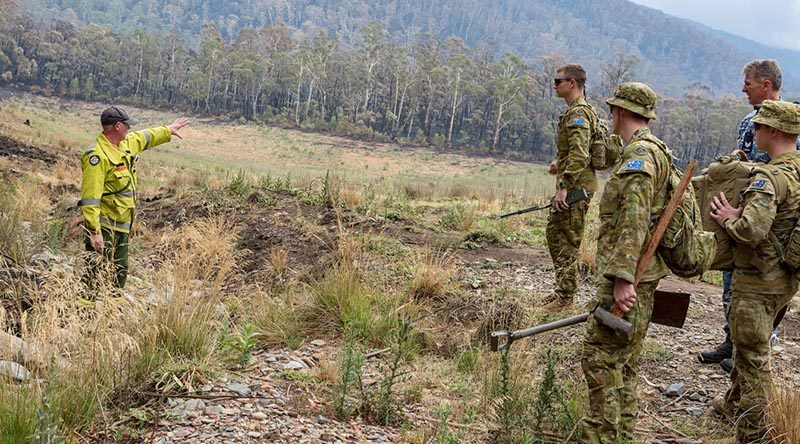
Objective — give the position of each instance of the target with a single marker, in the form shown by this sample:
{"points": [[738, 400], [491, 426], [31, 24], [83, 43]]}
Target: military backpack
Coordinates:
{"points": [[732, 177], [685, 248], [602, 154]]}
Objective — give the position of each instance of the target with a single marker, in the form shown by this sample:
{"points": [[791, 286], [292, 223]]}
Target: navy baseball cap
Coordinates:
{"points": [[116, 114]]}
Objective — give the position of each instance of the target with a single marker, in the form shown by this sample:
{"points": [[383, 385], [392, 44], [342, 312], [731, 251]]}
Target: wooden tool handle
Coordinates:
{"points": [[661, 226]]}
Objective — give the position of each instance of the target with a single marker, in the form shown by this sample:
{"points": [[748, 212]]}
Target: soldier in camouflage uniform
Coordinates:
{"points": [[573, 171], [633, 199], [762, 285], [762, 81]]}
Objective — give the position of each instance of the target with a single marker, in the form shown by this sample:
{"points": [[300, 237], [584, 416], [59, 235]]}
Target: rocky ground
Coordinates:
{"points": [[263, 407]]}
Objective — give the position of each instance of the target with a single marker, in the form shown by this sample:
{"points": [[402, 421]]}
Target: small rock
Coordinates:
{"points": [[294, 365], [675, 390], [14, 371], [272, 359], [254, 387], [44, 258], [238, 388], [254, 434], [318, 343], [260, 416], [194, 405], [696, 397], [695, 411], [213, 410], [182, 432], [322, 420], [206, 388]]}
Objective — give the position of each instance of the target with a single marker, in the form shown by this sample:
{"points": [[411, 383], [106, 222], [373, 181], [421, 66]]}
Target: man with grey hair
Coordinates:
{"points": [[762, 81]]}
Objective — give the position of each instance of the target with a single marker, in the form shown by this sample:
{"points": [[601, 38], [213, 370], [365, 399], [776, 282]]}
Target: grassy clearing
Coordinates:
{"points": [[196, 316]]}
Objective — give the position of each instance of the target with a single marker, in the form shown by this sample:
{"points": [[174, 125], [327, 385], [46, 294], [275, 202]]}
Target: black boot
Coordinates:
{"points": [[727, 365], [723, 351]]}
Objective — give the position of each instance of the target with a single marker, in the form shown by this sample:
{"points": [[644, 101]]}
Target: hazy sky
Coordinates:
{"points": [[771, 22]]}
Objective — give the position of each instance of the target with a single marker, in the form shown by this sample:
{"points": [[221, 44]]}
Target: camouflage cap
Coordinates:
{"points": [[783, 116], [636, 97]]}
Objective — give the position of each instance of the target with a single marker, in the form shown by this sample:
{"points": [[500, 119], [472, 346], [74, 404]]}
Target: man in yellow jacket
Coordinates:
{"points": [[108, 191]]}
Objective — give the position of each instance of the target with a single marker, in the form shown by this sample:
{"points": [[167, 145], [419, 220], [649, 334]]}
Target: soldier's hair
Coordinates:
{"points": [[574, 71], [764, 70]]}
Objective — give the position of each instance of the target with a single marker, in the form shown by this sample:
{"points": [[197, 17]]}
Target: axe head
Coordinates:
{"points": [[615, 323]]}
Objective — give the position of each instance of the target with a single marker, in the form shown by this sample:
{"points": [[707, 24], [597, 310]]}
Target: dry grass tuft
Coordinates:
{"points": [[431, 276], [279, 259], [277, 319], [782, 415], [350, 197]]}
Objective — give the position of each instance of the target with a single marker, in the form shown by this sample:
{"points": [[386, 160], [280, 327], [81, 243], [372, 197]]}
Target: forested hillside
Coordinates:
{"points": [[365, 84], [674, 53]]}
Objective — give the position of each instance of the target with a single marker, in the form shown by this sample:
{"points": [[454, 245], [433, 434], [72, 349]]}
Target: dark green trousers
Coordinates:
{"points": [[116, 250]]}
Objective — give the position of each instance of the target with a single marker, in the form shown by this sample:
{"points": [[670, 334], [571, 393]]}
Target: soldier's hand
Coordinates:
{"points": [[560, 201], [721, 210], [624, 294], [175, 126], [96, 241], [553, 168]]}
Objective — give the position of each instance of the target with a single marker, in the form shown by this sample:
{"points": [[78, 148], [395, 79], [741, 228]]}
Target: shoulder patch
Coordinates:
{"points": [[94, 160], [640, 150], [634, 165], [577, 121], [760, 185]]}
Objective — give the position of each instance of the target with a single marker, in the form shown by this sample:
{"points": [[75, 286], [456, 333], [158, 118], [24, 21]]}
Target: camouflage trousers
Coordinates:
{"points": [[610, 364], [751, 318], [564, 235]]}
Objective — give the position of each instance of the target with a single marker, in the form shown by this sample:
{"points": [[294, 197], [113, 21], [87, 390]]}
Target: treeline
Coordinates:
{"points": [[432, 92]]}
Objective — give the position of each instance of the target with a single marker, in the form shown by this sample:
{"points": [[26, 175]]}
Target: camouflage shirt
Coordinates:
{"points": [[764, 227], [633, 199], [572, 146], [747, 139]]}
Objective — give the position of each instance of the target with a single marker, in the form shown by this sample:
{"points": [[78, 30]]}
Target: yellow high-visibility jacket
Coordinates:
{"points": [[108, 191]]}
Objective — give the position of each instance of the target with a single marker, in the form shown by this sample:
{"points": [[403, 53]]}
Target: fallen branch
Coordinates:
{"points": [[209, 397], [673, 401], [376, 353], [670, 428]]}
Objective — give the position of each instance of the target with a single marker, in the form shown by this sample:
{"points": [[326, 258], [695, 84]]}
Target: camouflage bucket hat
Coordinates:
{"points": [[783, 116], [636, 97]]}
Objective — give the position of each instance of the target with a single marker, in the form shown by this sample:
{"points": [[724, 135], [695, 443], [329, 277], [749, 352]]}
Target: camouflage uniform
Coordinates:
{"points": [[565, 228], [632, 201], [761, 284], [746, 143]]}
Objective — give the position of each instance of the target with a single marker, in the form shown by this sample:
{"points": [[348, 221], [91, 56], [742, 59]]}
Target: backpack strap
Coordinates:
{"points": [[592, 118], [778, 178]]}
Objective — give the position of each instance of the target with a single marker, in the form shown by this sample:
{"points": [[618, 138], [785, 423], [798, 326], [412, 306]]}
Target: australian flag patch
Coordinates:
{"points": [[758, 185], [578, 121], [634, 165]]}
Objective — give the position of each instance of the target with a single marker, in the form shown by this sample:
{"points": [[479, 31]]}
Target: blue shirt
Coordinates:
{"points": [[747, 139]]}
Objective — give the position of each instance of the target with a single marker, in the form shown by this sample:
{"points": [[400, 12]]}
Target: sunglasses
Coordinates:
{"points": [[558, 81]]}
